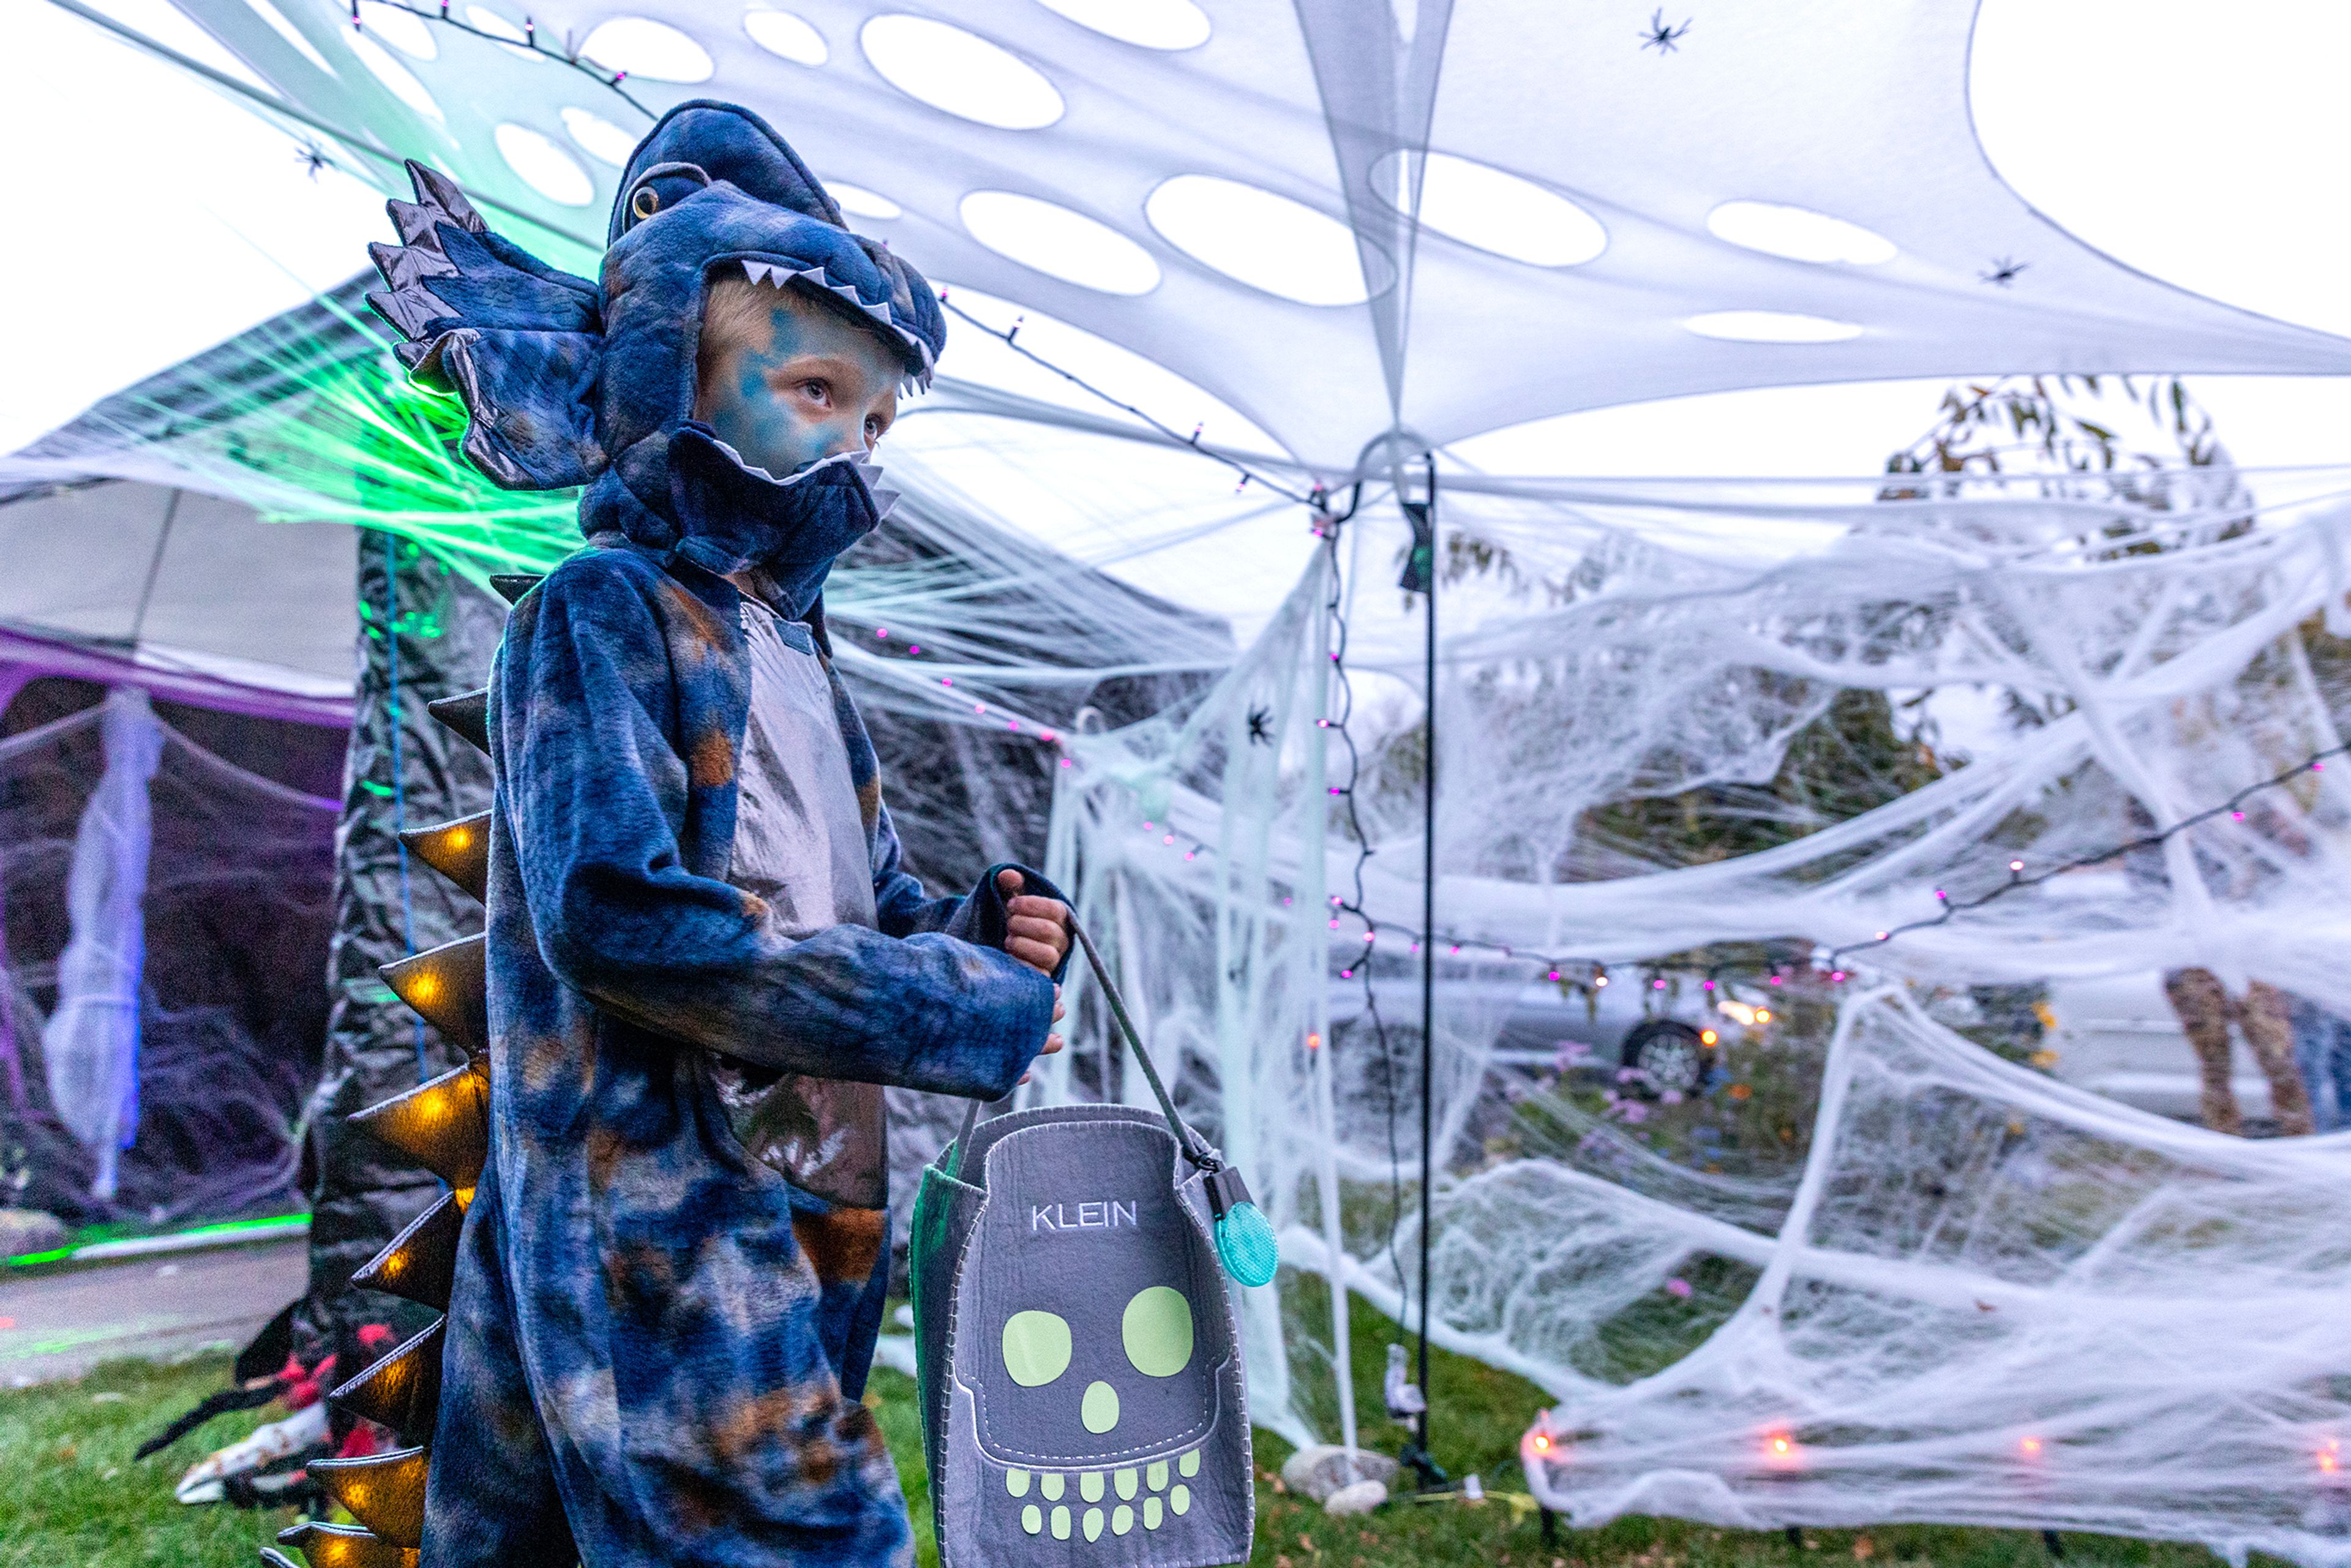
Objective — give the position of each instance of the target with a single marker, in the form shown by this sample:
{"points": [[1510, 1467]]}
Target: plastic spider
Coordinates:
{"points": [[2003, 272], [1261, 726], [1659, 36]]}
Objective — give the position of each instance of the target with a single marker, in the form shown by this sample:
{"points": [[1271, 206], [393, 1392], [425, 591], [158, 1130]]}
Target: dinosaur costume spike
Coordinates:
{"points": [[422, 1260], [403, 265], [459, 851], [341, 1546], [402, 1389], [434, 186], [468, 714], [384, 1492], [440, 1125], [446, 983]]}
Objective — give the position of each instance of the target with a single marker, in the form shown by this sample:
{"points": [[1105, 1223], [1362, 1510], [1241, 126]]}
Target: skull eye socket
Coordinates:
{"points": [[1157, 1332], [1036, 1348]]}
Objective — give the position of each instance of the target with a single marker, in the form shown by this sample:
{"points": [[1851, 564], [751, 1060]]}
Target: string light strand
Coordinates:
{"points": [[1008, 337], [2018, 877]]}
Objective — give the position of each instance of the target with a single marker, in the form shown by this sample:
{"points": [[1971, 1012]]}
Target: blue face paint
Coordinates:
{"points": [[809, 392]]}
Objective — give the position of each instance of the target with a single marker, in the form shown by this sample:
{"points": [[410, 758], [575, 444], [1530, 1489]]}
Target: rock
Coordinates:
{"points": [[1323, 1468], [1359, 1499], [24, 1230]]}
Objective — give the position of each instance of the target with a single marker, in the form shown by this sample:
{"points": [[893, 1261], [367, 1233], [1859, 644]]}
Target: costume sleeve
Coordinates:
{"points": [[979, 917], [899, 908], [596, 796]]}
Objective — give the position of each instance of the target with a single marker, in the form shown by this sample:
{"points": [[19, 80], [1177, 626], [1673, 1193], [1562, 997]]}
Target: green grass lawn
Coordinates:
{"points": [[71, 1495]]}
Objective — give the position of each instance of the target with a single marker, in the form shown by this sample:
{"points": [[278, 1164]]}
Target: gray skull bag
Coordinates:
{"points": [[1082, 1391]]}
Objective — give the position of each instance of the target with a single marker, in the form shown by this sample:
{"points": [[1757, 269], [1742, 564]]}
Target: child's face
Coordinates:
{"points": [[819, 386]]}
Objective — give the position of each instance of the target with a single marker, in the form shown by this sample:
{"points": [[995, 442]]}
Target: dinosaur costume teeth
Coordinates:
{"points": [[880, 313]]}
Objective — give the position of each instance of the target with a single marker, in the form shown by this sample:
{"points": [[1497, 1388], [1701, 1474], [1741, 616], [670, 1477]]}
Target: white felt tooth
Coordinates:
{"points": [[880, 313], [754, 271], [884, 501]]}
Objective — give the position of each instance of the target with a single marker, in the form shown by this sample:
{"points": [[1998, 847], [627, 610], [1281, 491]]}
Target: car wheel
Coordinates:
{"points": [[1669, 1053]]}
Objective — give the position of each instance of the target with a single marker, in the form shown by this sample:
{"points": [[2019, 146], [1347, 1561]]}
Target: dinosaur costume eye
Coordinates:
{"points": [[646, 203], [1036, 1348]]}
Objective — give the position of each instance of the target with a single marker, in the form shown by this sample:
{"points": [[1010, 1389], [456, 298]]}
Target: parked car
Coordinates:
{"points": [[2118, 1037], [1669, 1037]]}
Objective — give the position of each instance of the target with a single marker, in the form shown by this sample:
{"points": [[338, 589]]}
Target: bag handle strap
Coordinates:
{"points": [[1195, 1149]]}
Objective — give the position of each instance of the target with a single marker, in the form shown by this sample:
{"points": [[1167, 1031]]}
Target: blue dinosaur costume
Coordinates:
{"points": [[655, 1342]]}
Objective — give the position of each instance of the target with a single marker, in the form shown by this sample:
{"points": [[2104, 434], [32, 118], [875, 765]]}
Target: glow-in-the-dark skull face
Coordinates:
{"points": [[1098, 1362]]}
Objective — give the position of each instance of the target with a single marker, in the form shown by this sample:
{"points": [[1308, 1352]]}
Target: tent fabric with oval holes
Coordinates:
{"points": [[1265, 162]]}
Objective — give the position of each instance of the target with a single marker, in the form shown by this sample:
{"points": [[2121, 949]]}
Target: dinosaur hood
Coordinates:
{"points": [[567, 382]]}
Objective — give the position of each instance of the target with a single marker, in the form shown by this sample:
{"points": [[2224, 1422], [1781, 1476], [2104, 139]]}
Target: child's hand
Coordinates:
{"points": [[1036, 930], [1052, 1041]]}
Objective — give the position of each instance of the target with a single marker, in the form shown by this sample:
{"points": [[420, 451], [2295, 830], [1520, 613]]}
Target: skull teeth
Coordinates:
{"points": [[1112, 1500]]}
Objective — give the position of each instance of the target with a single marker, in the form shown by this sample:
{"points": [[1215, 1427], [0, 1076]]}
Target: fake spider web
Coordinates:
{"points": [[1881, 1265]]}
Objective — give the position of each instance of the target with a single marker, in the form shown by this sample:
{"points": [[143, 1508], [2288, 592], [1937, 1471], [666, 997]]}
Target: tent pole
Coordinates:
{"points": [[1428, 960], [1417, 496]]}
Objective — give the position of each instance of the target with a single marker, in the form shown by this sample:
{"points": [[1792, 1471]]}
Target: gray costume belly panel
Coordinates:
{"points": [[799, 844]]}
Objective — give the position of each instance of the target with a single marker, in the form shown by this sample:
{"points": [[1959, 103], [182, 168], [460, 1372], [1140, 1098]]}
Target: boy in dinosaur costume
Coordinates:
{"points": [[703, 955]]}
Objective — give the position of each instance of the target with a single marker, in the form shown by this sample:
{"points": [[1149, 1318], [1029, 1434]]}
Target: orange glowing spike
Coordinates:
{"points": [[384, 1492], [449, 985], [341, 1546], [442, 1125], [459, 851], [422, 1261], [401, 1391]]}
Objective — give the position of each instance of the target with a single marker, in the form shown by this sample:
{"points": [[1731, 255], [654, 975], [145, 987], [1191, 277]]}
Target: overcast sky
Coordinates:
{"points": [[2205, 144]]}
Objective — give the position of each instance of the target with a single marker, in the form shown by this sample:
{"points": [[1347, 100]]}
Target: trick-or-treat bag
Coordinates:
{"points": [[1080, 1369]]}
